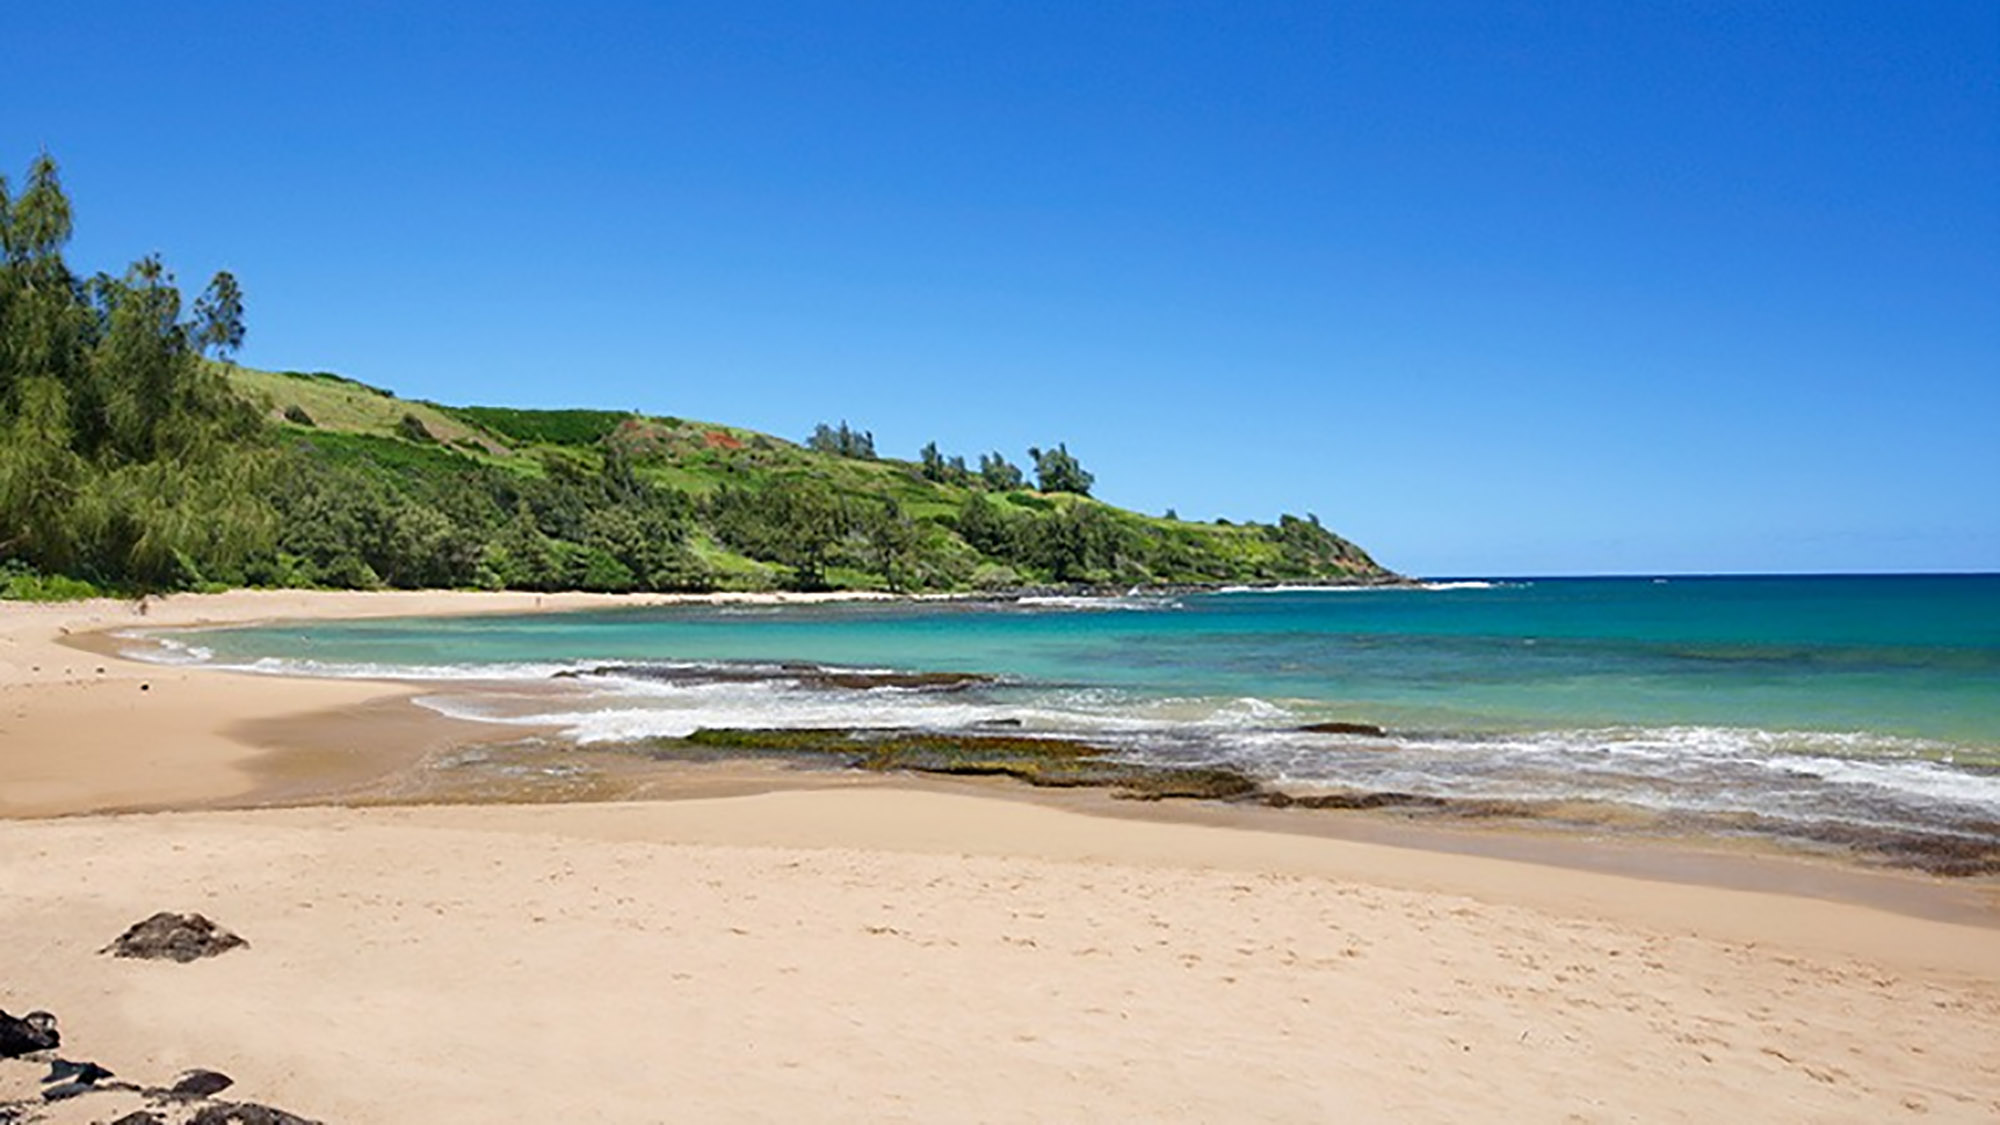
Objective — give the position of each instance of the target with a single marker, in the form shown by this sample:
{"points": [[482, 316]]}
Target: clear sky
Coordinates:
{"points": [[1494, 288]]}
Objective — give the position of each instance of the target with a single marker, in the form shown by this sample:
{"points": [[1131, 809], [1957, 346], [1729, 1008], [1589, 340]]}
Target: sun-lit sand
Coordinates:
{"points": [[866, 952]]}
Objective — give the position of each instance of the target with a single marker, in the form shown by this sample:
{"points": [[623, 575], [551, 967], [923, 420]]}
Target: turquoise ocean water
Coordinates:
{"points": [[1814, 705]]}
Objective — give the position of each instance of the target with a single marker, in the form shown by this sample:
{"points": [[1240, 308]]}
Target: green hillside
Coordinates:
{"points": [[134, 457], [753, 510]]}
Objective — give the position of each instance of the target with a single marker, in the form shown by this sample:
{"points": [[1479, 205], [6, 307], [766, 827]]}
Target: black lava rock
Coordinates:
{"points": [[66, 1091], [201, 1084], [1369, 729], [174, 937], [245, 1113], [63, 1070], [21, 1035]]}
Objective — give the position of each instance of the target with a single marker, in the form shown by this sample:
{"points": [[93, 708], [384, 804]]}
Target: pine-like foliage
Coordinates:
{"points": [[127, 459]]}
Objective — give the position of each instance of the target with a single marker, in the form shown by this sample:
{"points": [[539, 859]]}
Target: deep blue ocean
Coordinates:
{"points": [[1751, 701]]}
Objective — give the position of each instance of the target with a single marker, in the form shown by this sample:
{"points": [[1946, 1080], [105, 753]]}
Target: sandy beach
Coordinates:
{"points": [[870, 951]]}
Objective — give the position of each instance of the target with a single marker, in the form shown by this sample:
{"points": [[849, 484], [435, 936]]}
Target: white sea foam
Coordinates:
{"points": [[627, 715], [423, 673], [1293, 589], [1098, 601], [600, 709], [1795, 775], [1249, 711], [158, 648], [1916, 778], [1434, 587]]}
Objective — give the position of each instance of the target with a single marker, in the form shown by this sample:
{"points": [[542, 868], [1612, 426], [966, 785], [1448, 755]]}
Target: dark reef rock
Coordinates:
{"points": [[64, 1091], [1054, 763], [1963, 850], [1367, 799], [1960, 849], [22, 1035], [908, 681], [141, 1117], [1369, 729], [201, 1084], [245, 1113], [63, 1070], [174, 937]]}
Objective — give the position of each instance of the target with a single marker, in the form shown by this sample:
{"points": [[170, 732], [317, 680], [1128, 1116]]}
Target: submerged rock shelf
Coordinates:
{"points": [[1060, 763], [1044, 762]]}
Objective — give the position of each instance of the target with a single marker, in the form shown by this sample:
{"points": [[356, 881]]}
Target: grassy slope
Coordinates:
{"points": [[345, 406], [694, 456]]}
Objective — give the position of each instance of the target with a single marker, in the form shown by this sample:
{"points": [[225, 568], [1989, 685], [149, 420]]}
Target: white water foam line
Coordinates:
{"points": [[159, 648], [1790, 773], [732, 705], [1097, 602], [1434, 587]]}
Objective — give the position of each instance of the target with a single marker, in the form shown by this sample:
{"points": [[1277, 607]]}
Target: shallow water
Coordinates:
{"points": [[1816, 707]]}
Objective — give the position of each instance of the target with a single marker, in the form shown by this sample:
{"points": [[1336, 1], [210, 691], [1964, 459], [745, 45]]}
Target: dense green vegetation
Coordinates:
{"points": [[549, 427], [124, 456], [135, 456]]}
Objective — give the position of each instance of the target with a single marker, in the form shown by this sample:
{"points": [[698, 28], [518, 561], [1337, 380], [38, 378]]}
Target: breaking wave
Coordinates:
{"points": [[1099, 601]]}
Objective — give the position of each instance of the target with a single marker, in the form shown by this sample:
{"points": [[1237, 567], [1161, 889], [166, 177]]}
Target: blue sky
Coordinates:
{"points": [[1493, 288]]}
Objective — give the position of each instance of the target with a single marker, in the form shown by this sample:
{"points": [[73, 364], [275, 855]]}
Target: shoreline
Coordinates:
{"points": [[766, 942], [300, 753], [64, 680]]}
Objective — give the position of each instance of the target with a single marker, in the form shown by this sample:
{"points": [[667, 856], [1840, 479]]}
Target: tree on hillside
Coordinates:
{"points": [[521, 556], [938, 468], [128, 460], [809, 523], [43, 325], [931, 462], [1074, 543], [1057, 471], [889, 539], [981, 525], [998, 473], [1310, 548], [40, 477], [842, 441], [218, 317], [795, 521]]}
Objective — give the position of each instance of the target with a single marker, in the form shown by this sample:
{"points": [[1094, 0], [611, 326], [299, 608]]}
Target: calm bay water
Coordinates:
{"points": [[1765, 703]]}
